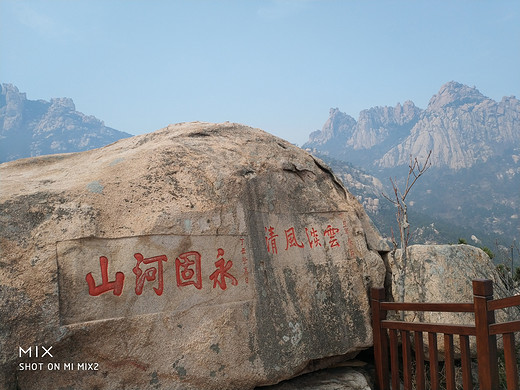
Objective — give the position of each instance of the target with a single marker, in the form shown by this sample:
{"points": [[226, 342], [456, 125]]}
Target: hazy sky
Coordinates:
{"points": [[275, 64]]}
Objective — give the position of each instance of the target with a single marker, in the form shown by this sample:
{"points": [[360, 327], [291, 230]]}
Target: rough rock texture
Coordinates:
{"points": [[376, 130], [380, 125], [444, 273], [338, 126], [200, 256], [339, 378], [36, 127], [461, 126]]}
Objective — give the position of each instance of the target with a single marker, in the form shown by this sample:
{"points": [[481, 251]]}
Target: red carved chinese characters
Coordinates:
{"points": [[270, 240], [220, 275], [331, 232], [244, 260], [105, 286], [188, 270], [291, 240], [312, 237], [351, 250], [149, 274]]}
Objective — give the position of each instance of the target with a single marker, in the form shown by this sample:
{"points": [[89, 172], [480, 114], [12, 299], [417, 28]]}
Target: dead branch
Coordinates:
{"points": [[417, 171]]}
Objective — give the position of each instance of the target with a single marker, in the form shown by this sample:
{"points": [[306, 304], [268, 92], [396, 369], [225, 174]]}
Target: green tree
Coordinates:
{"points": [[488, 252]]}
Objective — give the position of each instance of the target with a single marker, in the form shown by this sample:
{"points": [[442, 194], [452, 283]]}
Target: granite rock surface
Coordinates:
{"points": [[200, 256]]}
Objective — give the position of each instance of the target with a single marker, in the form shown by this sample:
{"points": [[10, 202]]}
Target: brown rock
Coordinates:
{"points": [[200, 256], [338, 378]]}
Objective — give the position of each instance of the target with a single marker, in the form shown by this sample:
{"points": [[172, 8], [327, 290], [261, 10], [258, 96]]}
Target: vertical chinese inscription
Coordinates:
{"points": [[244, 259]]}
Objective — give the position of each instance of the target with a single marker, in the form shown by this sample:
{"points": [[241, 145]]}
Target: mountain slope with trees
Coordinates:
{"points": [[473, 186]]}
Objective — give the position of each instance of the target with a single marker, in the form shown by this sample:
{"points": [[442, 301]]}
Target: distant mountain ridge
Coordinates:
{"points": [[474, 182], [35, 127], [460, 125]]}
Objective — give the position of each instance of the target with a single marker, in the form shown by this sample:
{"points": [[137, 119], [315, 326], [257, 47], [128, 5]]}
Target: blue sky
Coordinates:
{"points": [[279, 65]]}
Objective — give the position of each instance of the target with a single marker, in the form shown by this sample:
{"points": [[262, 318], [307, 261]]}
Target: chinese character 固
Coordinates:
{"points": [[187, 269]]}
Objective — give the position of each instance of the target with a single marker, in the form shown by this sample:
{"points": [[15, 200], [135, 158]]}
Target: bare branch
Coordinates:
{"points": [[388, 198], [417, 170]]}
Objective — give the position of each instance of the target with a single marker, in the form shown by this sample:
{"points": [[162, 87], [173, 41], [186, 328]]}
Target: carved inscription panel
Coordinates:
{"points": [[110, 278], [318, 236]]}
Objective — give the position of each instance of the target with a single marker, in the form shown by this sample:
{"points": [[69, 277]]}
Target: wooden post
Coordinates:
{"points": [[394, 359], [465, 355], [420, 377], [510, 358], [486, 343], [407, 360], [449, 361], [380, 339], [434, 360]]}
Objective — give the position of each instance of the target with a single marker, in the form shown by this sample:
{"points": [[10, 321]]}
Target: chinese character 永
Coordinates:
{"points": [[220, 275]]}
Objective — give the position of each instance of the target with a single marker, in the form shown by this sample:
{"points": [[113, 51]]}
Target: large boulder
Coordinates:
{"points": [[444, 273], [200, 256], [337, 378]]}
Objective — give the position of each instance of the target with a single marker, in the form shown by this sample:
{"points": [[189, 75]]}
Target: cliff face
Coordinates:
{"points": [[378, 125], [461, 126], [338, 128], [35, 127]]}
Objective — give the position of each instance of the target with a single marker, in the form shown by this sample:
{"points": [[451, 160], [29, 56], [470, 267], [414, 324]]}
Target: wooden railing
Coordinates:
{"points": [[484, 329]]}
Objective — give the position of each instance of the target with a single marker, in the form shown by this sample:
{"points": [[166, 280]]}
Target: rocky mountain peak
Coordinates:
{"points": [[408, 110], [62, 104], [461, 126], [338, 121], [8, 89], [339, 125], [11, 104], [455, 94], [387, 115], [374, 126], [35, 127]]}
